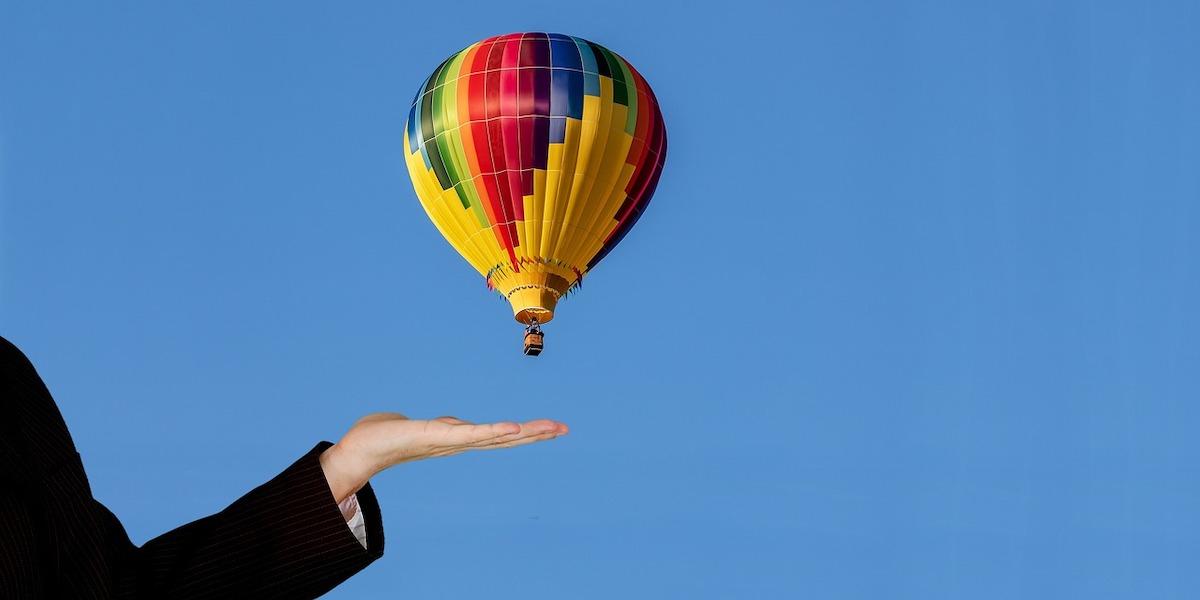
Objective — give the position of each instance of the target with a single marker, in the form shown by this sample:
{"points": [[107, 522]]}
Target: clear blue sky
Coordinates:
{"points": [[924, 280]]}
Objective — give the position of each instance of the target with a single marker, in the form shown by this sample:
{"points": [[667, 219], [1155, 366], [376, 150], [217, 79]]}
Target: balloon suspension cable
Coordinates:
{"points": [[534, 342], [533, 326]]}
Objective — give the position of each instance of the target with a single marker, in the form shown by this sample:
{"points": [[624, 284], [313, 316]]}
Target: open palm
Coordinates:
{"points": [[382, 440]]}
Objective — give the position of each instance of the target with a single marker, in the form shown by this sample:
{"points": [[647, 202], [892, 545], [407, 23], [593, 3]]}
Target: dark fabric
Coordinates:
{"points": [[285, 539]]}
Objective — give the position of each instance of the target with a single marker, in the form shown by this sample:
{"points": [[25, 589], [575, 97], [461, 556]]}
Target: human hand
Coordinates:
{"points": [[383, 440]]}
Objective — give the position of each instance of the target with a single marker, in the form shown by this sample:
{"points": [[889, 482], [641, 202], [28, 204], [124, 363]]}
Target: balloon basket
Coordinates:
{"points": [[534, 340]]}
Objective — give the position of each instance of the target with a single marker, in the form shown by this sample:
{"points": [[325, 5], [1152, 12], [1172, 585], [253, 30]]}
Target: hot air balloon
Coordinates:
{"points": [[534, 154]]}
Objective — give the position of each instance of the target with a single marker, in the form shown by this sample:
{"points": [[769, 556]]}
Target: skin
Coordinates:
{"points": [[382, 440]]}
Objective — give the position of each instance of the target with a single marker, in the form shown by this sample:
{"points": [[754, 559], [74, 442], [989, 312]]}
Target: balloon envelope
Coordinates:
{"points": [[534, 154]]}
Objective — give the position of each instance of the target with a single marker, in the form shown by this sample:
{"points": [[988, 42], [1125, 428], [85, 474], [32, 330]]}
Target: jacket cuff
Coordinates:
{"points": [[296, 520], [368, 504]]}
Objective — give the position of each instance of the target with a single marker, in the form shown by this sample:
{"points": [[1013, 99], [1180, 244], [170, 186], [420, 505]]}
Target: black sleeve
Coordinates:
{"points": [[285, 539]]}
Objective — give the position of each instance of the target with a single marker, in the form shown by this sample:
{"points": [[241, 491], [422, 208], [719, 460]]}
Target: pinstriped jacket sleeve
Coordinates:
{"points": [[285, 539]]}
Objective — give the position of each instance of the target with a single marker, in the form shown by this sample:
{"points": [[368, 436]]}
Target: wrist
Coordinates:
{"points": [[343, 472]]}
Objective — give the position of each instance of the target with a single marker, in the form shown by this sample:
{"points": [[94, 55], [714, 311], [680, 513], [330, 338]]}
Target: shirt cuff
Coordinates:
{"points": [[354, 518]]}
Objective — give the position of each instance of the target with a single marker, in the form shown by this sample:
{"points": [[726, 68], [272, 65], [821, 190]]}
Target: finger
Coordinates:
{"points": [[473, 435], [466, 435], [524, 441], [503, 442], [542, 426], [496, 440], [540, 429], [529, 429], [534, 431]]}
